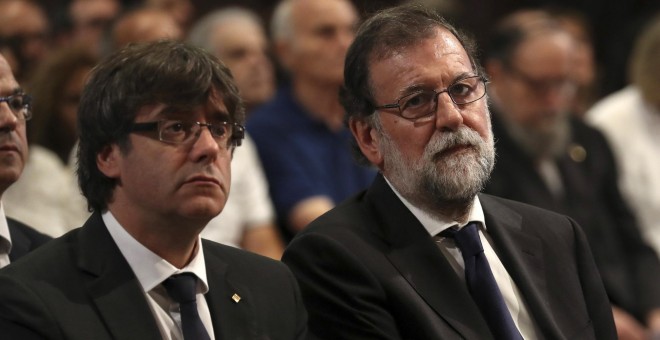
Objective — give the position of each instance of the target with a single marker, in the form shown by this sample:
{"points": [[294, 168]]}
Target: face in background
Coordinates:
{"points": [[159, 180], [145, 25], [91, 18], [181, 10], [536, 89], [25, 26], [242, 46], [13, 143], [445, 157], [322, 31]]}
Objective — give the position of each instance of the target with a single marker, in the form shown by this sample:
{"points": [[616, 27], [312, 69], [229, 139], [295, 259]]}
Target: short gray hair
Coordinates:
{"points": [[200, 34], [281, 25]]}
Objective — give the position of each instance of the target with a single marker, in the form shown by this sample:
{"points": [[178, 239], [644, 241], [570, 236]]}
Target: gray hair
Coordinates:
{"points": [[200, 34], [281, 25]]}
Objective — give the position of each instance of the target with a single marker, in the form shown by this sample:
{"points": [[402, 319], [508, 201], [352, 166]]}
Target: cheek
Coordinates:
{"points": [[479, 120]]}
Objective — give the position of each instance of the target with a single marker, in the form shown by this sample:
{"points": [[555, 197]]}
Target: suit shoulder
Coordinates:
{"points": [[350, 215], [47, 261], [239, 257], [36, 237], [491, 202]]}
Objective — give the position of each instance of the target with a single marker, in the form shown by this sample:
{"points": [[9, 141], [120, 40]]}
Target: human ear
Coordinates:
{"points": [[368, 140], [108, 161]]}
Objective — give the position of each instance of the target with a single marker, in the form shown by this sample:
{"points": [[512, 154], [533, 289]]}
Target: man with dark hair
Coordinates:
{"points": [[421, 254], [158, 124], [16, 239], [549, 158]]}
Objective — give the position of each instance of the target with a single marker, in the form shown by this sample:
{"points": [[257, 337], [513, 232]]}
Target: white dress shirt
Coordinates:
{"points": [[151, 270], [632, 128], [512, 296], [5, 238]]}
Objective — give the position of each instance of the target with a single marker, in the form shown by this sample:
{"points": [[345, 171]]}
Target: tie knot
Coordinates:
{"points": [[467, 239], [182, 288]]}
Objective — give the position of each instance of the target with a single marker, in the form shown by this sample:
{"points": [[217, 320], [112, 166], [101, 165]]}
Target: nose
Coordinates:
{"points": [[448, 116], [556, 98], [205, 148], [8, 120]]}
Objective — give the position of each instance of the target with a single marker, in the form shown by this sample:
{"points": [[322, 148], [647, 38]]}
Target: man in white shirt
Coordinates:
{"points": [[16, 239], [158, 124]]}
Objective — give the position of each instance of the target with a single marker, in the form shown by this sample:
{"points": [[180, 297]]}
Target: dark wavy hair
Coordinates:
{"points": [[384, 34], [166, 72]]}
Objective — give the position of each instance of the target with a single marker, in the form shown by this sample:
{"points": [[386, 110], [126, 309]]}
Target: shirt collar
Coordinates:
{"points": [[149, 268], [5, 237], [435, 225]]}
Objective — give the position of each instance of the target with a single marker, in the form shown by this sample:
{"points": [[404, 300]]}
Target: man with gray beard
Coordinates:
{"points": [[550, 159], [422, 254]]}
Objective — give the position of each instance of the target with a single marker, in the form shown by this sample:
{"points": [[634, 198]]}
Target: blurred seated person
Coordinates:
{"points": [[182, 11], [236, 36], [551, 159], [630, 119], [47, 196], [91, 19], [16, 239], [585, 70], [144, 24], [302, 141], [24, 30]]}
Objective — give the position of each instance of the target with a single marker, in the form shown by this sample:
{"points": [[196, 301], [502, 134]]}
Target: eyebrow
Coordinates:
{"points": [[422, 87], [16, 90], [180, 113]]}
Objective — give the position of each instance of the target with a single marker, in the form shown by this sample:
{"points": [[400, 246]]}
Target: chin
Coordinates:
{"points": [[202, 209]]}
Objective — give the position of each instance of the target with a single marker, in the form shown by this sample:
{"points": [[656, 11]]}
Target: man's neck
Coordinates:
{"points": [[321, 100], [173, 240]]}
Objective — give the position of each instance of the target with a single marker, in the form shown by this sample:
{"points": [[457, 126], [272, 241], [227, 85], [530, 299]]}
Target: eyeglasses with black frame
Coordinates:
{"points": [[226, 134], [20, 105], [424, 103]]}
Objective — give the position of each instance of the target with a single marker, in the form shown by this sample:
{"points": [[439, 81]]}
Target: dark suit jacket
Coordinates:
{"points": [[79, 286], [23, 239], [369, 270], [629, 267]]}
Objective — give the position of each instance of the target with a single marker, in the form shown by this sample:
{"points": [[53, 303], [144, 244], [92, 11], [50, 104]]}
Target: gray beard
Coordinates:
{"points": [[440, 183], [550, 142]]}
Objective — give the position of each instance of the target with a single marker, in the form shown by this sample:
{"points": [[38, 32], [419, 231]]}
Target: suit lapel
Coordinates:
{"points": [[231, 319], [416, 256], [522, 256], [112, 285], [20, 243]]}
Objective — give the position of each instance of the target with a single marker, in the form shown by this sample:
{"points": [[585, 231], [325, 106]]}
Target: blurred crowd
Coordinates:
{"points": [[574, 92]]}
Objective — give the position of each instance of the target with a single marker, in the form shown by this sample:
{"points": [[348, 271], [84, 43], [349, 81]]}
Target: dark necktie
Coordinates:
{"points": [[182, 288], [481, 282]]}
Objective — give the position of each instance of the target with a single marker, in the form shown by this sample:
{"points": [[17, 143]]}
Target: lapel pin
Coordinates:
{"points": [[577, 153], [236, 298]]}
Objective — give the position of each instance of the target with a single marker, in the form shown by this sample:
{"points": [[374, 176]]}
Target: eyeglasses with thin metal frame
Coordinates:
{"points": [[226, 134], [424, 103], [20, 105]]}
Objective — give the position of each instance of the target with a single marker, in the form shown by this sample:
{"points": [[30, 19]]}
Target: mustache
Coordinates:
{"points": [[6, 136], [441, 142]]}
